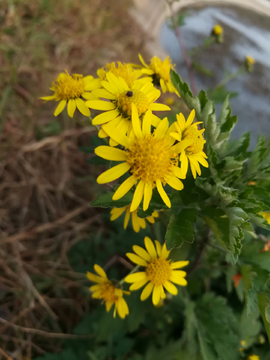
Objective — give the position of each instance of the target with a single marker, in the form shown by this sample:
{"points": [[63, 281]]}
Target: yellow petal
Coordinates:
{"points": [[127, 216], [109, 153], [88, 96], [163, 194], [136, 259], [148, 191], [124, 187], [100, 271], [179, 264], [156, 294], [137, 285], [142, 61], [190, 118], [163, 85], [181, 146], [91, 85], [113, 173], [135, 221], [103, 93], [141, 252], [159, 107], [158, 247], [162, 128], [82, 107], [175, 183], [179, 281], [116, 135], [109, 87], [164, 252], [71, 107], [181, 174], [94, 277], [147, 291], [100, 105], [60, 107], [113, 80], [105, 117], [150, 247], [48, 98], [170, 287], [136, 122], [116, 212], [139, 276], [138, 195], [146, 125], [184, 163]]}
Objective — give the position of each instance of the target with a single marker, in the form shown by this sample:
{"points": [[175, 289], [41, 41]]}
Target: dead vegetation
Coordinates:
{"points": [[46, 184]]}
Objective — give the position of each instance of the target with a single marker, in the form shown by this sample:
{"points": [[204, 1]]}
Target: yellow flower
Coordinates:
{"points": [[70, 90], [265, 215], [253, 357], [108, 292], [250, 60], [137, 222], [151, 159], [160, 72], [126, 72], [193, 153], [117, 112], [217, 29], [159, 271]]}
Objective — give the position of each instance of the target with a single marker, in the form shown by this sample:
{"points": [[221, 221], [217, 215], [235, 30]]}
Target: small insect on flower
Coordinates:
{"points": [[160, 72], [193, 154], [117, 111], [70, 90], [151, 159], [159, 272], [137, 222], [108, 292]]}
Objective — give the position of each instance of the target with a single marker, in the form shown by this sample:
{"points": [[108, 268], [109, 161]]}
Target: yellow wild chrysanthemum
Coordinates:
{"points": [[108, 292], [137, 222], [117, 112], [250, 60], [217, 29], [193, 153], [160, 72], [253, 357], [125, 71], [70, 90], [159, 271], [151, 159]]}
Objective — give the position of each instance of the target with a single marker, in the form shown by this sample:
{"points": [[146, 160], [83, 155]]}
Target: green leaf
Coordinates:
{"points": [[181, 228], [217, 328], [264, 306], [256, 157]]}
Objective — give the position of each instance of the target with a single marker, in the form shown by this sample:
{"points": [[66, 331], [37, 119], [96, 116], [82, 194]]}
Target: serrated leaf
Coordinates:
{"points": [[256, 156], [180, 228]]}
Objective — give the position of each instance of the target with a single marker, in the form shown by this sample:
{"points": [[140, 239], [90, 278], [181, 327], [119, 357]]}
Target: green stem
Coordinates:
{"points": [[228, 78], [131, 272]]}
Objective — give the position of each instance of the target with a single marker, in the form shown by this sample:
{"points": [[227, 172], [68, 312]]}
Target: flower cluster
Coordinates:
{"points": [[150, 152]]}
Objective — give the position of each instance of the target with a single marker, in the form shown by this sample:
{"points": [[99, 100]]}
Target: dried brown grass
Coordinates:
{"points": [[46, 184]]}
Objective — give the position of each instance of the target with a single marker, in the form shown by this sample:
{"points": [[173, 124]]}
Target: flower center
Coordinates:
{"points": [[137, 97], [68, 87], [162, 68], [108, 292], [194, 134], [150, 158], [158, 271]]}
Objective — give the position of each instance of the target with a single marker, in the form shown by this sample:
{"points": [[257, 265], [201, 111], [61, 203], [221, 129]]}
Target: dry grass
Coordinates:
{"points": [[46, 183]]}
